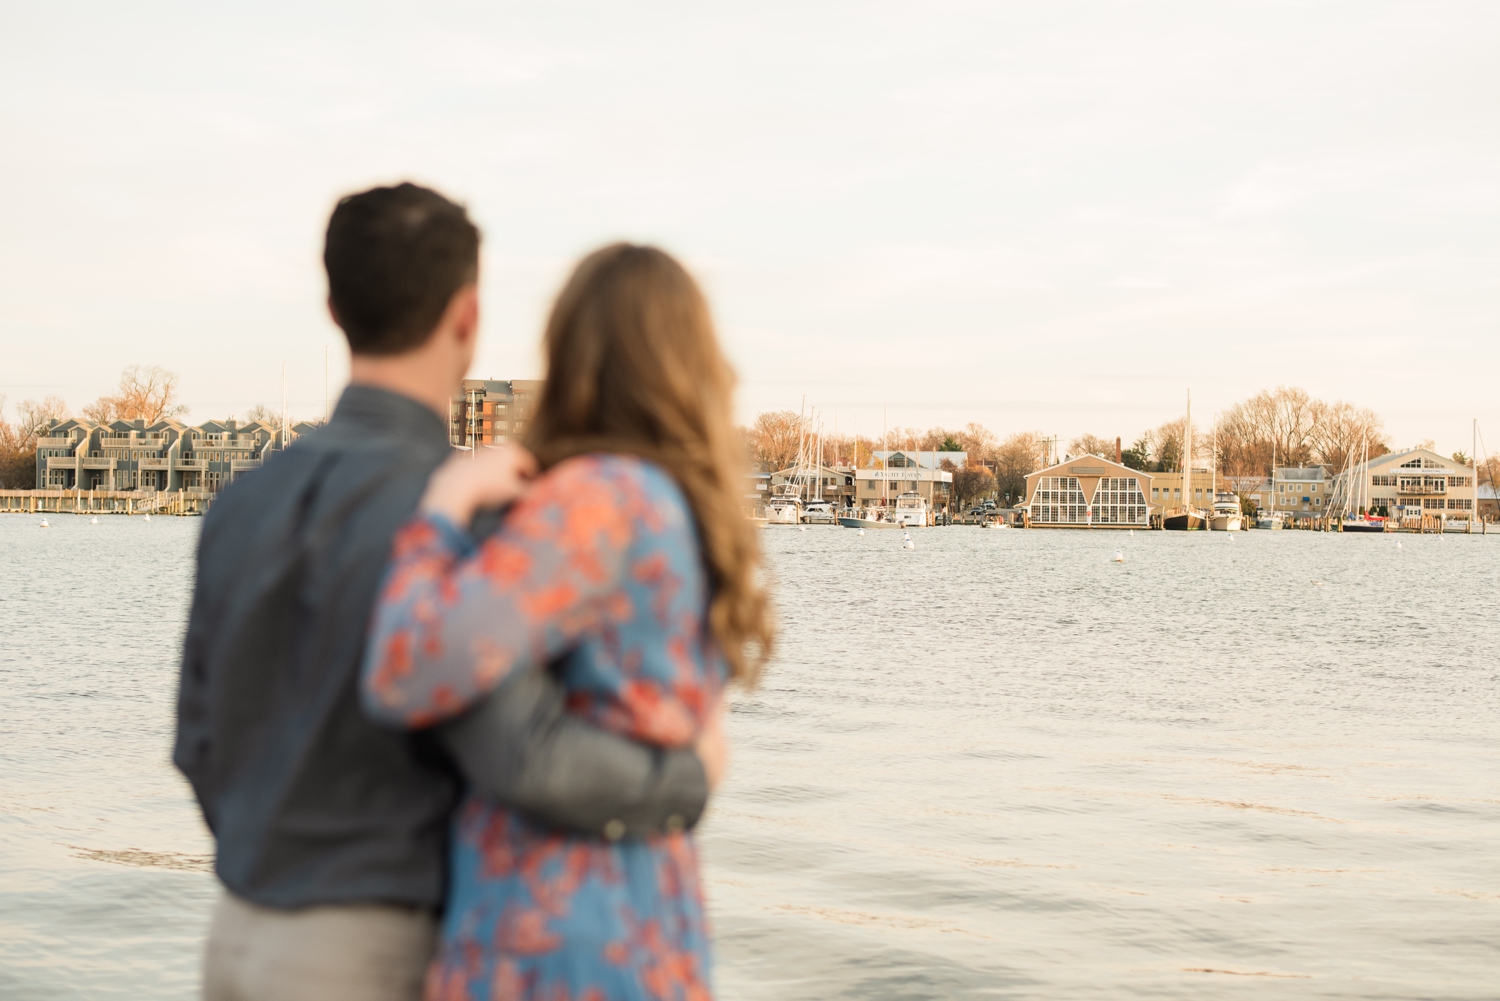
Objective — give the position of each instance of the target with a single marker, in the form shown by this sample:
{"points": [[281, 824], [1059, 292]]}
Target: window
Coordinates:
{"points": [[1460, 504], [1058, 500], [1118, 501]]}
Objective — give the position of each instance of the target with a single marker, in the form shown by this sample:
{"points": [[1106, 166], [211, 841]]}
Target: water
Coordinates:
{"points": [[997, 765]]}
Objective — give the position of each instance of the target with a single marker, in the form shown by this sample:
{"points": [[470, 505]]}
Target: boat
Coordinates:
{"points": [[876, 517], [1227, 516], [819, 512], [1356, 495], [1186, 518], [1271, 520], [911, 510], [784, 506]]}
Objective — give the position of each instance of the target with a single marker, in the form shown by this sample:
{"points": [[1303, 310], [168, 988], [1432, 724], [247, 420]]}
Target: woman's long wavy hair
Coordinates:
{"points": [[634, 367]]}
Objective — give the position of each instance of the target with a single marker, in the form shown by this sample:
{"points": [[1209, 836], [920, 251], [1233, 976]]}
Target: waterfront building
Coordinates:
{"points": [[1418, 487], [1166, 490], [898, 472], [1088, 492], [757, 489], [166, 456], [492, 411], [1301, 493]]}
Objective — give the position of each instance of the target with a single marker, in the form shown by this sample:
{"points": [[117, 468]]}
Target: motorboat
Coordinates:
{"points": [[870, 517], [1271, 520], [911, 510], [819, 513], [1227, 516], [784, 506], [1361, 523]]}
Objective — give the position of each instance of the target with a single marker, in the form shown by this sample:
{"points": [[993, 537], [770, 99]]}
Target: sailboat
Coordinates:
{"points": [[1186, 518], [1358, 519]]}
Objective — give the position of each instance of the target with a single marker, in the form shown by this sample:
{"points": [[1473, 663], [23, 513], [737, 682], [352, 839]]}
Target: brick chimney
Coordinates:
{"points": [[1118, 456]]}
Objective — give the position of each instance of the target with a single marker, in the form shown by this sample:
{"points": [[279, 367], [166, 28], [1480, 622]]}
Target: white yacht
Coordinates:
{"points": [[1227, 516], [1271, 520], [911, 510], [819, 512], [784, 506]]}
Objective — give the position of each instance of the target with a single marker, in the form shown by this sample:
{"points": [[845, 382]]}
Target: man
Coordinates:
{"points": [[332, 831]]}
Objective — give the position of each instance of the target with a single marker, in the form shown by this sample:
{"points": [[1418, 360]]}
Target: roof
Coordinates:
{"points": [[1090, 465], [924, 459], [1307, 473], [1446, 463]]}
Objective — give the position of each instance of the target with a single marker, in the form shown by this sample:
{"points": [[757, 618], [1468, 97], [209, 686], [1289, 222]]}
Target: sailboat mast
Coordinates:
{"points": [[1187, 457]]}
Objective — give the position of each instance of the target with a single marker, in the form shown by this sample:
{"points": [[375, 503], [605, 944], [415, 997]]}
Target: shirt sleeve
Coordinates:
{"points": [[455, 619]]}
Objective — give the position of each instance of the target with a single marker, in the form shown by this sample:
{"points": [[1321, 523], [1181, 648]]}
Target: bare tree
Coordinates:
{"points": [[972, 483], [1341, 432], [148, 394], [979, 442], [774, 437], [34, 418], [1089, 444], [1015, 458], [261, 412]]}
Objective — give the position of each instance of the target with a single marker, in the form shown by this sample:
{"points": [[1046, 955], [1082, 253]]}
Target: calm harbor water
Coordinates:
{"points": [[998, 765]]}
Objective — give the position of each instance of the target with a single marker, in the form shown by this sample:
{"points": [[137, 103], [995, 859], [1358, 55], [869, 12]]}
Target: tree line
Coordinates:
{"points": [[1286, 425]]}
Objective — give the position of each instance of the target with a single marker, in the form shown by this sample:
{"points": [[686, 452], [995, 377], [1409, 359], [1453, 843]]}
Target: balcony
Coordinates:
{"points": [[239, 464], [61, 462], [1422, 485]]}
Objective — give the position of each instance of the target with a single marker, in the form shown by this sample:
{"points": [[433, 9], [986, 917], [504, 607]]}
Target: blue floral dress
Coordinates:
{"points": [[598, 564]]}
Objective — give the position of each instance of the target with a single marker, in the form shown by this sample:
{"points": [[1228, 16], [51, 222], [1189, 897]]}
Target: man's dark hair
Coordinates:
{"points": [[395, 256]]}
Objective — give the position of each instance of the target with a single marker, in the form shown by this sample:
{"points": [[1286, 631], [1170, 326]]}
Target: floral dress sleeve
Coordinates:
{"points": [[454, 619]]}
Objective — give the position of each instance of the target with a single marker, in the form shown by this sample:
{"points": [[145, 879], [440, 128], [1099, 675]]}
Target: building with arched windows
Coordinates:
{"points": [[1088, 492]]}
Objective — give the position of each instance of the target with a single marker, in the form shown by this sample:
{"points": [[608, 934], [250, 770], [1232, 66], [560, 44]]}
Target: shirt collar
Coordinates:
{"points": [[371, 408]]}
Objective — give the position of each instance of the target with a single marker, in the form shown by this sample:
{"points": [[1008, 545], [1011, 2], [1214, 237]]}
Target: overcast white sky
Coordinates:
{"points": [[1053, 216]]}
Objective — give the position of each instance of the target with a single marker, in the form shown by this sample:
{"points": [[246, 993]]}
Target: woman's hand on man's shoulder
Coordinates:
{"points": [[485, 478]]}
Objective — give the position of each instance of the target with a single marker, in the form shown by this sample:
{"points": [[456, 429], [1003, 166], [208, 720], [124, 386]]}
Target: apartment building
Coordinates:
{"points": [[1301, 493], [1416, 486], [168, 455], [492, 411]]}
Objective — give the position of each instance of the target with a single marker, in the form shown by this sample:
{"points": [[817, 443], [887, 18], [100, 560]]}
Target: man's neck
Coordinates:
{"points": [[414, 375]]}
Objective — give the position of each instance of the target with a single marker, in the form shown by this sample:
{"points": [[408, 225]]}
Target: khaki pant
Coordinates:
{"points": [[358, 952]]}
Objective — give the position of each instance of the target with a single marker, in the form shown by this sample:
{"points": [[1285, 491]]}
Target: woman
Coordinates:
{"points": [[630, 566]]}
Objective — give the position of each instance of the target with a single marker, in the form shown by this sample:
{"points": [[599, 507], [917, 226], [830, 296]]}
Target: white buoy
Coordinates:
{"points": [[801, 528], [94, 520], [1119, 557], [1132, 533], [909, 544], [861, 531], [148, 517], [44, 524], [1398, 543]]}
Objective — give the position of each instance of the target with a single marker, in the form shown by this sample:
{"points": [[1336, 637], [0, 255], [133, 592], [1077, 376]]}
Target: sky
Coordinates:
{"points": [[1057, 217]]}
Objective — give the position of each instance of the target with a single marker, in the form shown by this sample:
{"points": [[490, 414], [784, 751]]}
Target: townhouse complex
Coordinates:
{"points": [[169, 455]]}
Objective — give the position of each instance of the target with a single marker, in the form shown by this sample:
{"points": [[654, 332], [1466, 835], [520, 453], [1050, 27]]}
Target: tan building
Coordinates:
{"points": [[492, 411], [1166, 490], [1089, 492]]}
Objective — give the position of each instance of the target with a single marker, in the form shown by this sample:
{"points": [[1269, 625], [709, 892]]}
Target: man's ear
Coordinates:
{"points": [[466, 313]]}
